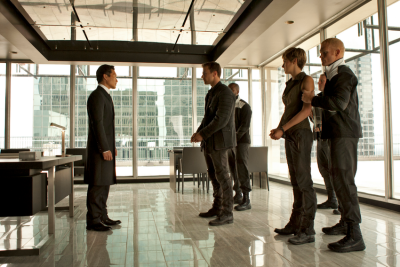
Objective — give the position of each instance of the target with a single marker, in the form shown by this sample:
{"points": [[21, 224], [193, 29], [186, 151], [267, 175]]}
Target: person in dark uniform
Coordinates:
{"points": [[101, 151], [295, 128], [341, 124], [324, 161], [240, 154], [217, 136]]}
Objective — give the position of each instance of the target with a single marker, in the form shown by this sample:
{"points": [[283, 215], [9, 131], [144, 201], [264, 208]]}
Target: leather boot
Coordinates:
{"points": [[211, 213], [292, 226], [245, 205], [353, 240], [221, 220], [306, 234], [329, 204], [238, 198], [338, 229]]}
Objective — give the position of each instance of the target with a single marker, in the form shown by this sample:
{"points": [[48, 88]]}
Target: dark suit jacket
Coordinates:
{"points": [[101, 138], [339, 100], [218, 125]]}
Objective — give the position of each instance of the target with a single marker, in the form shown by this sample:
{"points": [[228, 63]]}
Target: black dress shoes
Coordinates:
{"points": [[111, 222], [221, 220], [211, 213], [98, 227]]}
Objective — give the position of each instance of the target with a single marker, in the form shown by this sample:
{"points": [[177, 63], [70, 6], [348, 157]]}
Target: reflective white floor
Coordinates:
{"points": [[161, 228]]}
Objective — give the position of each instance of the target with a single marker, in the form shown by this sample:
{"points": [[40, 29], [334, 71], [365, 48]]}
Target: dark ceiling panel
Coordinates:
{"points": [[246, 15]]}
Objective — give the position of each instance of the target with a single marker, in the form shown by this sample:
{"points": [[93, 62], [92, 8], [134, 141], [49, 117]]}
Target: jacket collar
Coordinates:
{"points": [[332, 70], [237, 103], [105, 88]]}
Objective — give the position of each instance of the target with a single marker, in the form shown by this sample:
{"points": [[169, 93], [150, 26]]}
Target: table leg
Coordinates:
{"points": [[51, 199], [71, 196]]}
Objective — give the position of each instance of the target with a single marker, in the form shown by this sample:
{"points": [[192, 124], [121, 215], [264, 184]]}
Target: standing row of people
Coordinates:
{"points": [[339, 133], [225, 140]]}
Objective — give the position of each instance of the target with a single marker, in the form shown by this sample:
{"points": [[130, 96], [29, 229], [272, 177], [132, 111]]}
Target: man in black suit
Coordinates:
{"points": [[100, 170], [239, 156], [217, 135]]}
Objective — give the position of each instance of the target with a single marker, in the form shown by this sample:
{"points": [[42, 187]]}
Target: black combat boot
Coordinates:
{"points": [[238, 198], [338, 229], [331, 203], [211, 213], [245, 205], [292, 226], [221, 220], [306, 234], [353, 240]]}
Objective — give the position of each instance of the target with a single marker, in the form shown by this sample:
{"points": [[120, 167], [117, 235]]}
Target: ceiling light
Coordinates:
{"points": [[13, 52], [289, 22]]}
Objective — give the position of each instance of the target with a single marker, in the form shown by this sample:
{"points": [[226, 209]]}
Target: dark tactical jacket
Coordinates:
{"points": [[341, 118], [218, 125], [242, 121]]}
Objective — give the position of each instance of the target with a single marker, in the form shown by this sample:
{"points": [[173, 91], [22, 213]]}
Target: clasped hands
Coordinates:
{"points": [[196, 137]]}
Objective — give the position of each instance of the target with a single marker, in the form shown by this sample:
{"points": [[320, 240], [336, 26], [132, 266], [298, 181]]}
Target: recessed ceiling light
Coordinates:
{"points": [[244, 58], [289, 22], [13, 52]]}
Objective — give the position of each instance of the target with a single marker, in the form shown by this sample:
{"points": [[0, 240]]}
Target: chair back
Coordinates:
{"points": [[258, 159], [77, 151], [193, 161]]}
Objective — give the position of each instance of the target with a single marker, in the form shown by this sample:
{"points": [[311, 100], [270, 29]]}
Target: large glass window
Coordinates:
{"points": [[164, 117], [2, 102], [394, 52], [36, 101]]}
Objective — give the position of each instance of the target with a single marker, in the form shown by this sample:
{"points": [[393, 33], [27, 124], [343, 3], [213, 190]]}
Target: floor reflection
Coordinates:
{"points": [[161, 228]]}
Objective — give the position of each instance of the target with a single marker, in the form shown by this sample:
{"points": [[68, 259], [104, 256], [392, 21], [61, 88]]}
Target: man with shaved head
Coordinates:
{"points": [[341, 125]]}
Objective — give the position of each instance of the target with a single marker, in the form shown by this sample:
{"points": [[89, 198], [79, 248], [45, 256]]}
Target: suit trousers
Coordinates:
{"points": [[238, 158], [218, 172], [96, 203], [324, 166], [344, 168], [298, 145]]}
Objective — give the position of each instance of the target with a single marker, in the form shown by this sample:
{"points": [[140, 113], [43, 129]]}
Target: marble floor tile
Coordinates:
{"points": [[161, 229]]}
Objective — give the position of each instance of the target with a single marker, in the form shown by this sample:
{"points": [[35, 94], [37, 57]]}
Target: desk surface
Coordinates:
{"points": [[43, 163]]}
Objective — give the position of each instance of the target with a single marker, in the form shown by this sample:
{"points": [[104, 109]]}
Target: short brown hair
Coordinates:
{"points": [[296, 53], [103, 69], [213, 66]]}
